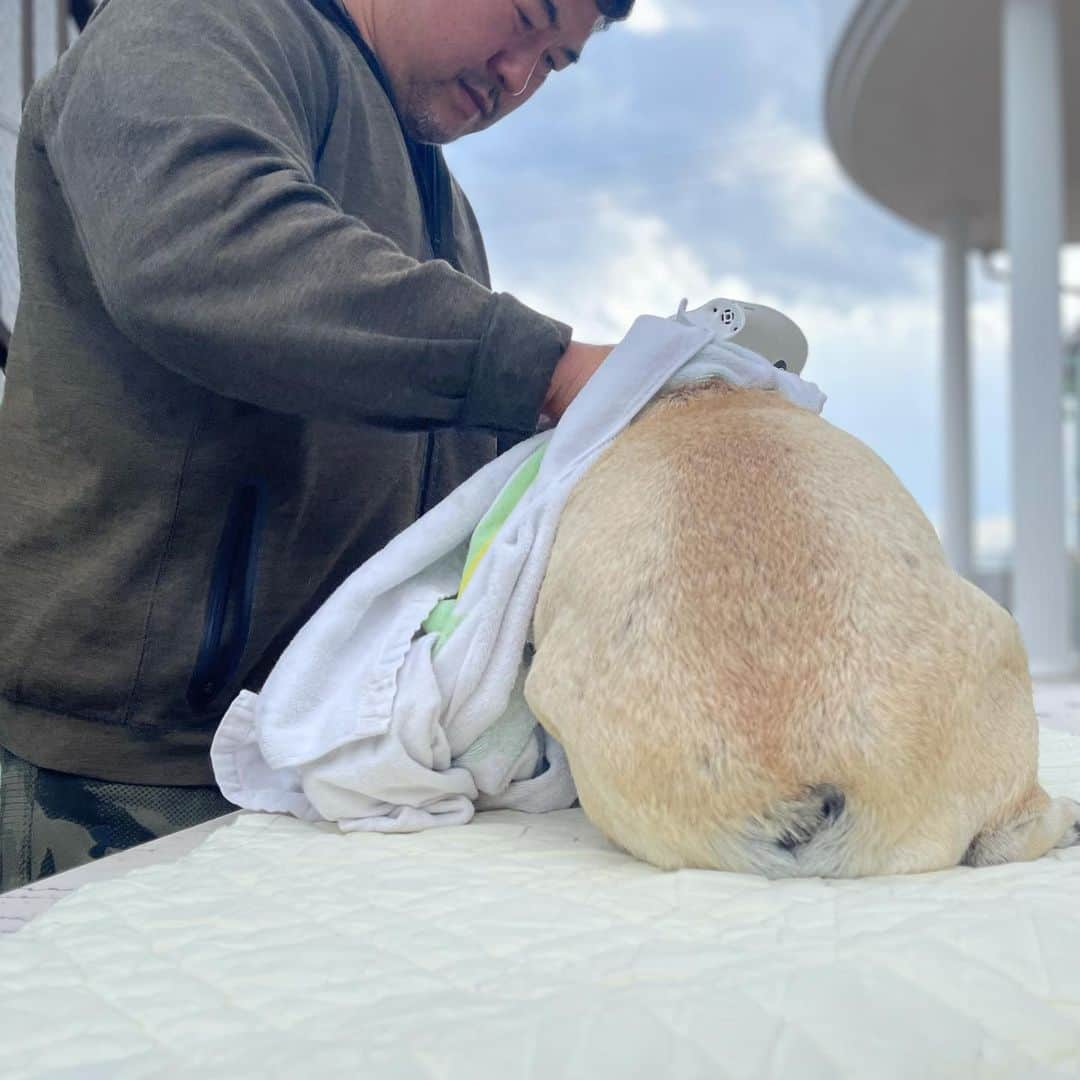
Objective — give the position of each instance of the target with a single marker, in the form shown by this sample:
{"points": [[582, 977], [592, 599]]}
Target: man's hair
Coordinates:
{"points": [[613, 11]]}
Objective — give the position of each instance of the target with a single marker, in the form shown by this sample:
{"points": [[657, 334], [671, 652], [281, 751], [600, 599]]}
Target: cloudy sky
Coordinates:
{"points": [[685, 156]]}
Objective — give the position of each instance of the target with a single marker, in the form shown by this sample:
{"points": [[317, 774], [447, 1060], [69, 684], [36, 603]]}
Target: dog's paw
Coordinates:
{"points": [[1031, 834], [1071, 835]]}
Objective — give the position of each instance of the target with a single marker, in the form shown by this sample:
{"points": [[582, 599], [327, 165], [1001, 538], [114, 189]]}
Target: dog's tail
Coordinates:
{"points": [[806, 836]]}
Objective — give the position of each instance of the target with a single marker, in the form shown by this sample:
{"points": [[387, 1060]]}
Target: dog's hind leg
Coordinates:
{"points": [[1040, 825]]}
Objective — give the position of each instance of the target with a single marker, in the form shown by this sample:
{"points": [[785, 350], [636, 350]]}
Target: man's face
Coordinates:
{"points": [[460, 67]]}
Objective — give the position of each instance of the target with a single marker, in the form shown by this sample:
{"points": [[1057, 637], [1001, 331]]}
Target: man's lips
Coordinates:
{"points": [[477, 100]]}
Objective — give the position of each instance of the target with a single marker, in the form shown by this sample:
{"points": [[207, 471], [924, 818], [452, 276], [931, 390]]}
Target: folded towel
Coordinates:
{"points": [[393, 710]]}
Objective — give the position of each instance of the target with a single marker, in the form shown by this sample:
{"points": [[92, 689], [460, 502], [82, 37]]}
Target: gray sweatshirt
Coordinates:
{"points": [[236, 371]]}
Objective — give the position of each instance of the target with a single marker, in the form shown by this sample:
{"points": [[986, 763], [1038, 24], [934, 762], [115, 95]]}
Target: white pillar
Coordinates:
{"points": [[1034, 181], [956, 399]]}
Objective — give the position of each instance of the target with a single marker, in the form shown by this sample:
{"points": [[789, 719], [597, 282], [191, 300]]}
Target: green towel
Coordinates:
{"points": [[443, 619]]}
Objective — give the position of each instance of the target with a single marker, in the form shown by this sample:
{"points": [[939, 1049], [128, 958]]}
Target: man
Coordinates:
{"points": [[256, 339]]}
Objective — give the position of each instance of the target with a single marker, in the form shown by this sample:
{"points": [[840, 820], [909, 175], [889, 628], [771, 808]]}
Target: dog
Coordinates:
{"points": [[751, 646]]}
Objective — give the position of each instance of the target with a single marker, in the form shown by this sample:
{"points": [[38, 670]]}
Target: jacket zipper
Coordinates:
{"points": [[232, 584], [425, 472]]}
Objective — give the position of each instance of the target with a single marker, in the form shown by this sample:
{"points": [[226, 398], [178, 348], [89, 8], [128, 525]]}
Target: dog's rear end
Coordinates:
{"points": [[757, 659]]}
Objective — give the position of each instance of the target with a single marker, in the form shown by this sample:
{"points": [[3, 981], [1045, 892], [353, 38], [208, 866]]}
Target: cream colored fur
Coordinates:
{"points": [[752, 648]]}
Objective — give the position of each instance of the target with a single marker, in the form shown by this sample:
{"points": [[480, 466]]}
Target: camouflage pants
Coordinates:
{"points": [[52, 821]]}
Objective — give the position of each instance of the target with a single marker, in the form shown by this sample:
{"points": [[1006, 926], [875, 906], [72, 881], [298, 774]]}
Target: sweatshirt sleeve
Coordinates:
{"points": [[183, 143]]}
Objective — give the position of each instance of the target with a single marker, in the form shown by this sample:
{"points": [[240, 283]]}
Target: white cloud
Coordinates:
{"points": [[624, 265], [794, 167], [659, 16], [994, 539]]}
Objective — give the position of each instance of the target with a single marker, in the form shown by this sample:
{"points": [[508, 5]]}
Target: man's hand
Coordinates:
{"points": [[572, 372]]}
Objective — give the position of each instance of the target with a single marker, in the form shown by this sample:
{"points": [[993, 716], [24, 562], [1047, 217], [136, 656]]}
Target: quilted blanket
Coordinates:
{"points": [[525, 946]]}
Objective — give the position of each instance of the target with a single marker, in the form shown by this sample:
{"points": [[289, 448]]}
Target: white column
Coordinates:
{"points": [[956, 399], [1034, 181]]}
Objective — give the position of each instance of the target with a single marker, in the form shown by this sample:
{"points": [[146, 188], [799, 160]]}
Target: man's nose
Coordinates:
{"points": [[514, 69]]}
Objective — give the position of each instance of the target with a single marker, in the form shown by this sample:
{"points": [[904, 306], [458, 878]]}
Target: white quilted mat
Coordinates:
{"points": [[526, 947]]}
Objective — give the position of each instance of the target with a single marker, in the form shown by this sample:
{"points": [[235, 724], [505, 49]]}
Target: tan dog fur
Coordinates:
{"points": [[757, 658]]}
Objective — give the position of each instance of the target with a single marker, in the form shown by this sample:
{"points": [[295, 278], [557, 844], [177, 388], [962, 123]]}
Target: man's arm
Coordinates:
{"points": [[183, 146]]}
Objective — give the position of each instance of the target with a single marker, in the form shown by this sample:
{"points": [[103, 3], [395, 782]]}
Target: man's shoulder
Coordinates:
{"points": [[204, 25], [163, 48]]}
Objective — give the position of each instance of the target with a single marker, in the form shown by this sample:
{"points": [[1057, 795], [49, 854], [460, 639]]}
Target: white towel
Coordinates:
{"points": [[359, 722]]}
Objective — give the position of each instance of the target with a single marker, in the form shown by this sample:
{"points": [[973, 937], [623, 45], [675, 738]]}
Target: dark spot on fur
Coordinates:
{"points": [[818, 809], [833, 803], [781, 365], [911, 560]]}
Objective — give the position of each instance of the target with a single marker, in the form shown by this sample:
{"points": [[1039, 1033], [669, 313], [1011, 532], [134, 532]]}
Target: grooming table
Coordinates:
{"points": [[525, 946]]}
